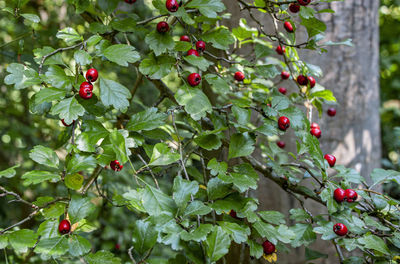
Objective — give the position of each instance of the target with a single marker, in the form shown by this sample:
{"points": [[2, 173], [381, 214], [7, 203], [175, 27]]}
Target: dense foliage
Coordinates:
{"points": [[188, 150]]}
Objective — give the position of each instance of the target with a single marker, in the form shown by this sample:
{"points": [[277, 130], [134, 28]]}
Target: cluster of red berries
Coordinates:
{"points": [[295, 7], [194, 79], [315, 130], [86, 88], [116, 165], [348, 195]]}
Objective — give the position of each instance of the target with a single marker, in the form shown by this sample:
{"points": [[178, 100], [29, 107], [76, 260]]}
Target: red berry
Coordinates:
{"points": [[239, 76], [268, 247], [282, 90], [312, 81], [288, 26], [185, 38], [115, 165], [172, 5], [331, 111], [85, 90], [285, 75], [117, 246], [314, 125], [283, 123], [162, 27], [351, 195], [339, 195], [303, 2], [193, 52], [280, 50], [65, 124], [281, 144], [294, 8], [302, 80], [200, 46], [130, 1], [64, 227], [233, 214], [316, 132], [330, 159], [340, 229], [92, 75], [194, 79]]}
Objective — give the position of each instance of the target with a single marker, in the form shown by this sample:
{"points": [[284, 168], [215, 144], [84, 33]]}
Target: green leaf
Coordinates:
{"points": [[78, 245], [68, 109], [115, 94], [313, 25], [220, 38], [241, 145], [146, 120], [79, 208], [197, 235], [22, 239], [256, 250], [157, 67], [162, 155], [69, 35], [31, 17], [183, 190], [379, 176], [197, 208], [208, 142], [273, 217], [45, 156], [217, 82], [39, 53], [312, 254], [121, 54], [54, 210], [216, 189], [159, 43], [35, 177], [3, 241], [80, 163], [48, 229], [375, 243], [196, 103], [156, 202], [199, 62], [56, 76], [49, 95], [218, 243], [9, 173], [217, 167], [82, 57], [266, 230], [102, 257], [144, 236], [125, 24], [325, 94], [238, 233], [304, 235], [74, 181], [208, 8], [55, 246], [267, 71], [21, 76]]}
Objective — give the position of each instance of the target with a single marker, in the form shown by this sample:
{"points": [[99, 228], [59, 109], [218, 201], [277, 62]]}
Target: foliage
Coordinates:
{"points": [[188, 152]]}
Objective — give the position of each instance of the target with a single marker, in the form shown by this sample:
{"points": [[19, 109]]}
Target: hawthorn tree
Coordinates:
{"points": [[167, 178]]}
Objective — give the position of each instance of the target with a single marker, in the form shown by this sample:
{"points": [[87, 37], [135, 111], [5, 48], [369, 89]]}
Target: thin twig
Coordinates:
{"points": [[304, 168], [45, 57], [339, 251], [151, 172], [93, 177]]}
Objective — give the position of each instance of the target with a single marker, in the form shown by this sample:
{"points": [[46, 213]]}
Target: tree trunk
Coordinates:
{"points": [[353, 135]]}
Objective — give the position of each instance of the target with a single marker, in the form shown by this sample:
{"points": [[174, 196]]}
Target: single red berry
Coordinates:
{"points": [[268, 247], [85, 91], [331, 111], [288, 26], [86, 85], [281, 144], [233, 214], [285, 75], [239, 76], [282, 90], [115, 165], [194, 79], [351, 195], [316, 132], [314, 125], [162, 27], [303, 2], [280, 50], [269, 105], [130, 1], [172, 5], [283, 123], [117, 246], [311, 81], [330, 159], [185, 38], [193, 52], [294, 8], [65, 124], [339, 195], [200, 46], [302, 80], [340, 229], [92, 75], [64, 227]]}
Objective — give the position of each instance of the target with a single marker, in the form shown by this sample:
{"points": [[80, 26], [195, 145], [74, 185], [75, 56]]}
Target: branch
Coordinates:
{"points": [[220, 58], [45, 57], [17, 197], [306, 169], [92, 178], [151, 172], [339, 251]]}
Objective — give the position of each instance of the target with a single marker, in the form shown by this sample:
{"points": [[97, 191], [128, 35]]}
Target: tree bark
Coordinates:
{"points": [[353, 135]]}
